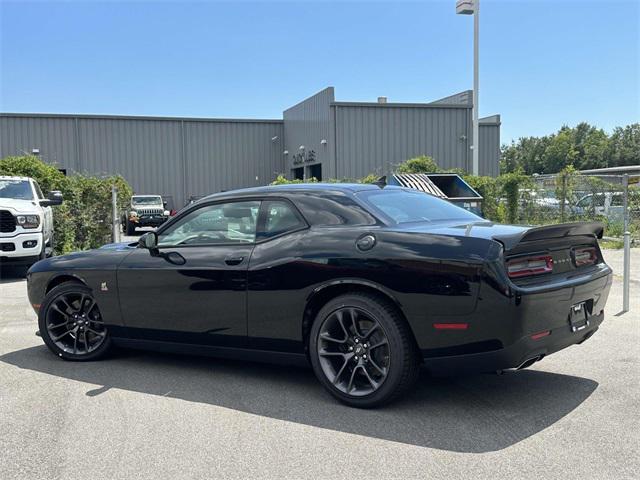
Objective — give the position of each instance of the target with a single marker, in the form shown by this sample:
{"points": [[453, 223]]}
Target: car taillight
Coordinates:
{"points": [[584, 256], [524, 267]]}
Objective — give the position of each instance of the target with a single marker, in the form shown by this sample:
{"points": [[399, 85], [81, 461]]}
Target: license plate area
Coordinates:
{"points": [[579, 317]]}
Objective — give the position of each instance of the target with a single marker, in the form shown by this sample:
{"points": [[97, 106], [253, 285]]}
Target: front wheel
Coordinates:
{"points": [[71, 325], [362, 351]]}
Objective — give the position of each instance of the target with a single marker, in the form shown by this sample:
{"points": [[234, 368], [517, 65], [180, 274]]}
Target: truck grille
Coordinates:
{"points": [[150, 211], [7, 221]]}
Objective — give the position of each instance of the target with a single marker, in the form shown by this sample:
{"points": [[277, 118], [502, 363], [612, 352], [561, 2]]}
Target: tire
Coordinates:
{"points": [[131, 228], [90, 341], [352, 360], [51, 246]]}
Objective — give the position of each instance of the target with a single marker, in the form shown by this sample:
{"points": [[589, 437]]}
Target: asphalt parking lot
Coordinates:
{"points": [[146, 415]]}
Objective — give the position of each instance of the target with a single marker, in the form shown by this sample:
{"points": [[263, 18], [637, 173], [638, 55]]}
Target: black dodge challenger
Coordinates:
{"points": [[365, 282]]}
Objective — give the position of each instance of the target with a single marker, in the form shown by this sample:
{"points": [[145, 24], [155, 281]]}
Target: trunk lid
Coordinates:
{"points": [[560, 245]]}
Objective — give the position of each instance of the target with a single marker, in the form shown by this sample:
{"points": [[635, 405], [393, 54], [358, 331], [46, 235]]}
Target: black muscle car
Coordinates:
{"points": [[365, 282]]}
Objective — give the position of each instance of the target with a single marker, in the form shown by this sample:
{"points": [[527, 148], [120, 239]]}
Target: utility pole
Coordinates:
{"points": [[472, 7]]}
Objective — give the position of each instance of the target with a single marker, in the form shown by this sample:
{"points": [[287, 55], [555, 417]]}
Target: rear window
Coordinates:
{"points": [[406, 206]]}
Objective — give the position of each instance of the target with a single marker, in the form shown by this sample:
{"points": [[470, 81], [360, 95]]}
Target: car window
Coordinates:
{"points": [[617, 200], [38, 191], [585, 202], [17, 189], [223, 223], [405, 206], [280, 217]]}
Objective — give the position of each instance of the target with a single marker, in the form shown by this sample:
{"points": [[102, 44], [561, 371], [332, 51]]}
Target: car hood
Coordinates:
{"points": [[147, 206], [100, 258], [119, 246], [19, 206]]}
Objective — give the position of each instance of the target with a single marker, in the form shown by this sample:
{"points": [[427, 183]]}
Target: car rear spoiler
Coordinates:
{"points": [[552, 231]]}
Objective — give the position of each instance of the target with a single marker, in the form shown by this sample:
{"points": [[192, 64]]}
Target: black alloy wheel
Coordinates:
{"points": [[362, 351], [354, 351], [71, 324]]}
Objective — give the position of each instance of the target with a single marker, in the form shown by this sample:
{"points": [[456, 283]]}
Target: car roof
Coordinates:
{"points": [[294, 188], [9, 177]]}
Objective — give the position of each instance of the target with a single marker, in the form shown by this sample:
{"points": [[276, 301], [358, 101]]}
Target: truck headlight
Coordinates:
{"points": [[28, 221]]}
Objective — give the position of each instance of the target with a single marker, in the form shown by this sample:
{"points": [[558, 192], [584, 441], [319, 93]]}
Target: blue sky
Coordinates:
{"points": [[543, 63]]}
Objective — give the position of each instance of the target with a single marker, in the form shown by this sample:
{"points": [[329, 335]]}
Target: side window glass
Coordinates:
{"points": [[224, 223], [38, 191], [617, 200], [280, 217]]}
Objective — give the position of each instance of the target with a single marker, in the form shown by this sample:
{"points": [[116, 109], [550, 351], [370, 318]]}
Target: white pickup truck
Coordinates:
{"points": [[26, 220]]}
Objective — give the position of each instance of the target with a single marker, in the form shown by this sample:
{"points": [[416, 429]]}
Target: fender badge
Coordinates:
{"points": [[103, 287]]}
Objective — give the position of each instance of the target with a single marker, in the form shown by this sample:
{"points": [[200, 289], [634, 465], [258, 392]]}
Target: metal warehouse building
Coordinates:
{"points": [[319, 137]]}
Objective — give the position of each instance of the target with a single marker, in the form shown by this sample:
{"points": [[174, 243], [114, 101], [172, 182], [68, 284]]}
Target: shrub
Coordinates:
{"points": [[84, 219], [510, 185], [490, 190], [421, 164]]}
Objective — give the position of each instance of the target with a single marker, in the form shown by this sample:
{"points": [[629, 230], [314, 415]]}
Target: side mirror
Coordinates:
{"points": [[149, 241], [54, 198]]}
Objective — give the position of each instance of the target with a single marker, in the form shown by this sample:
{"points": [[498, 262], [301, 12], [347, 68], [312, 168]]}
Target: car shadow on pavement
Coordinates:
{"points": [[466, 414], [12, 273]]}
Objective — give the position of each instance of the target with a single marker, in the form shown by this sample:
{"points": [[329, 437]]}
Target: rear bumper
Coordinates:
{"points": [[507, 330], [515, 355]]}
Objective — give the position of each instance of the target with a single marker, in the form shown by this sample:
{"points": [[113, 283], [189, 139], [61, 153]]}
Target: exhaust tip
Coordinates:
{"points": [[526, 364], [529, 362]]}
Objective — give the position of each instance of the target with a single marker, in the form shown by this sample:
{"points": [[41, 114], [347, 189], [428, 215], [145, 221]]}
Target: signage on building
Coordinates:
{"points": [[304, 157]]}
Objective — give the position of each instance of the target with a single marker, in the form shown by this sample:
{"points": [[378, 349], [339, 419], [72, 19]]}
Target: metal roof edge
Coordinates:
{"points": [[399, 105], [333, 95], [138, 117]]}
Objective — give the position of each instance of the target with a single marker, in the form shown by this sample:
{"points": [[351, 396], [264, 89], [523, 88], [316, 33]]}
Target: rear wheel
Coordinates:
{"points": [[361, 350], [71, 325]]}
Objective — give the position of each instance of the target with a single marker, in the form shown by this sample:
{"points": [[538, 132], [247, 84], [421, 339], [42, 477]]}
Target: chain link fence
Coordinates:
{"points": [[547, 199]]}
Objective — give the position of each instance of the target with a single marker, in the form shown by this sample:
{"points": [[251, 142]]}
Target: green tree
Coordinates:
{"points": [[560, 152], [624, 146], [583, 146], [591, 145]]}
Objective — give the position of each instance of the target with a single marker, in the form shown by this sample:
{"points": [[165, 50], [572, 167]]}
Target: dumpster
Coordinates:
{"points": [[449, 186]]}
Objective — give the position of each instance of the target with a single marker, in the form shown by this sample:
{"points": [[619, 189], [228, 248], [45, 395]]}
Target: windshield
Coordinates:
{"points": [[147, 200], [18, 189], [404, 206]]}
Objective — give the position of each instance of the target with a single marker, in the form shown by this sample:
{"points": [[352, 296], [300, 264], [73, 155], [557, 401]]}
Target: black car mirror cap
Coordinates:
{"points": [[53, 198], [149, 241]]}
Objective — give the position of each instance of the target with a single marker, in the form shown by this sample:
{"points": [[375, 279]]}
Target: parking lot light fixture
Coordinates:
{"points": [[472, 7]]}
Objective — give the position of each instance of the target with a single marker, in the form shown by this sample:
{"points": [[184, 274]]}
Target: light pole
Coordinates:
{"points": [[472, 7]]}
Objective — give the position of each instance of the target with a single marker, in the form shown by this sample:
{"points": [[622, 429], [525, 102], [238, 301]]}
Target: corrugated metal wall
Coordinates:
{"points": [[175, 157], [489, 149], [228, 155], [308, 123], [20, 134], [145, 152], [183, 157], [372, 138]]}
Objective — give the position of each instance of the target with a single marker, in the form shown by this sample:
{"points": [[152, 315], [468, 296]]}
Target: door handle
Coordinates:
{"points": [[233, 260]]}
